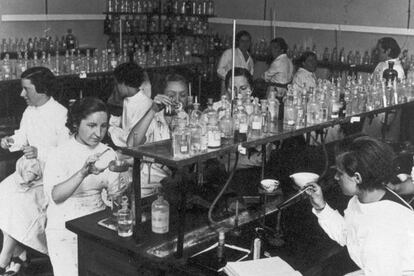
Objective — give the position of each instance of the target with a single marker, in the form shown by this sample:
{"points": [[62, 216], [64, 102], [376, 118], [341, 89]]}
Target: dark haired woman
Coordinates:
{"points": [[242, 56], [42, 127], [388, 51], [305, 76], [281, 69], [73, 180], [378, 226]]}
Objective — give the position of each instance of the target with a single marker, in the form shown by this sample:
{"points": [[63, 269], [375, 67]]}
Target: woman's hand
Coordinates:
{"points": [[161, 99], [30, 152], [316, 196], [89, 166], [6, 142]]}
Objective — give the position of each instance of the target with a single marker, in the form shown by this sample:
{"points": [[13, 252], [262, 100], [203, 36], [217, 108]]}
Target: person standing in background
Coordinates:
{"points": [[134, 89], [305, 76], [242, 57], [281, 69], [388, 51]]}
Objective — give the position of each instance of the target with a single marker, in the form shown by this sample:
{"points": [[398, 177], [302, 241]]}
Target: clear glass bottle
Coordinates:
{"points": [[195, 114], [124, 219], [266, 116], [209, 114], [290, 111], [226, 125], [6, 68], [181, 141], [160, 215], [241, 123], [195, 137], [313, 109], [224, 106], [256, 123], [213, 136]]}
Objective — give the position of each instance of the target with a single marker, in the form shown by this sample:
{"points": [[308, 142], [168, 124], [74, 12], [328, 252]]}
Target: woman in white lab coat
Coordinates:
{"points": [[22, 202], [378, 226], [75, 175], [242, 56]]}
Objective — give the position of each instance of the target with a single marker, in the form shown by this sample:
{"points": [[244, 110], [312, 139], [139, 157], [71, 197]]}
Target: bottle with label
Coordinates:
{"points": [[160, 215], [124, 219], [334, 106], [181, 141], [256, 123], [266, 117], [195, 137], [240, 123], [226, 125]]}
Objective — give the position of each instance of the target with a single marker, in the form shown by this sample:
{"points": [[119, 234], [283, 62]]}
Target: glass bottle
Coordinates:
{"points": [[266, 116], [334, 106], [240, 123], [124, 219], [195, 137], [226, 125], [160, 215], [6, 68], [195, 114], [213, 135], [390, 74], [256, 123], [290, 111], [323, 109], [224, 105], [181, 141], [209, 114]]}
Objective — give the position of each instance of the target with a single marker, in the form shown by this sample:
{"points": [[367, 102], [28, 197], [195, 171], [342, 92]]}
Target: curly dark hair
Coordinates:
{"points": [[81, 109], [239, 36], [390, 43], [130, 74], [239, 72], [371, 158], [281, 42], [42, 78]]}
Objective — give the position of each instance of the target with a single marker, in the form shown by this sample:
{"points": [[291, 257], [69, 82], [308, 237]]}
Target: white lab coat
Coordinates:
{"points": [[23, 210], [62, 164], [280, 71], [380, 68], [133, 109], [225, 63], [379, 235], [303, 78]]}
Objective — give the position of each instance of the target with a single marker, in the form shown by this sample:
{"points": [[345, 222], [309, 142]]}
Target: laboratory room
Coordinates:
{"points": [[206, 137]]}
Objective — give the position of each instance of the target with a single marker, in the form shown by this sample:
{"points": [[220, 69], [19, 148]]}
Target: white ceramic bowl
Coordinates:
{"points": [[303, 178], [269, 185]]}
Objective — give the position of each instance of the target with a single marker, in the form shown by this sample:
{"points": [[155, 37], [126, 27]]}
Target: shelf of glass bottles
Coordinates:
{"points": [[156, 24], [74, 63]]}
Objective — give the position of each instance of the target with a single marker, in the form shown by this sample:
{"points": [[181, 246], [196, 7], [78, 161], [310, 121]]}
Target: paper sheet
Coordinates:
{"points": [[264, 267]]}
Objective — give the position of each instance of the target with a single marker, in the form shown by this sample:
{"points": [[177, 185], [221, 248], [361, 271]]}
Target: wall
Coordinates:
{"points": [[381, 13], [89, 33]]}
